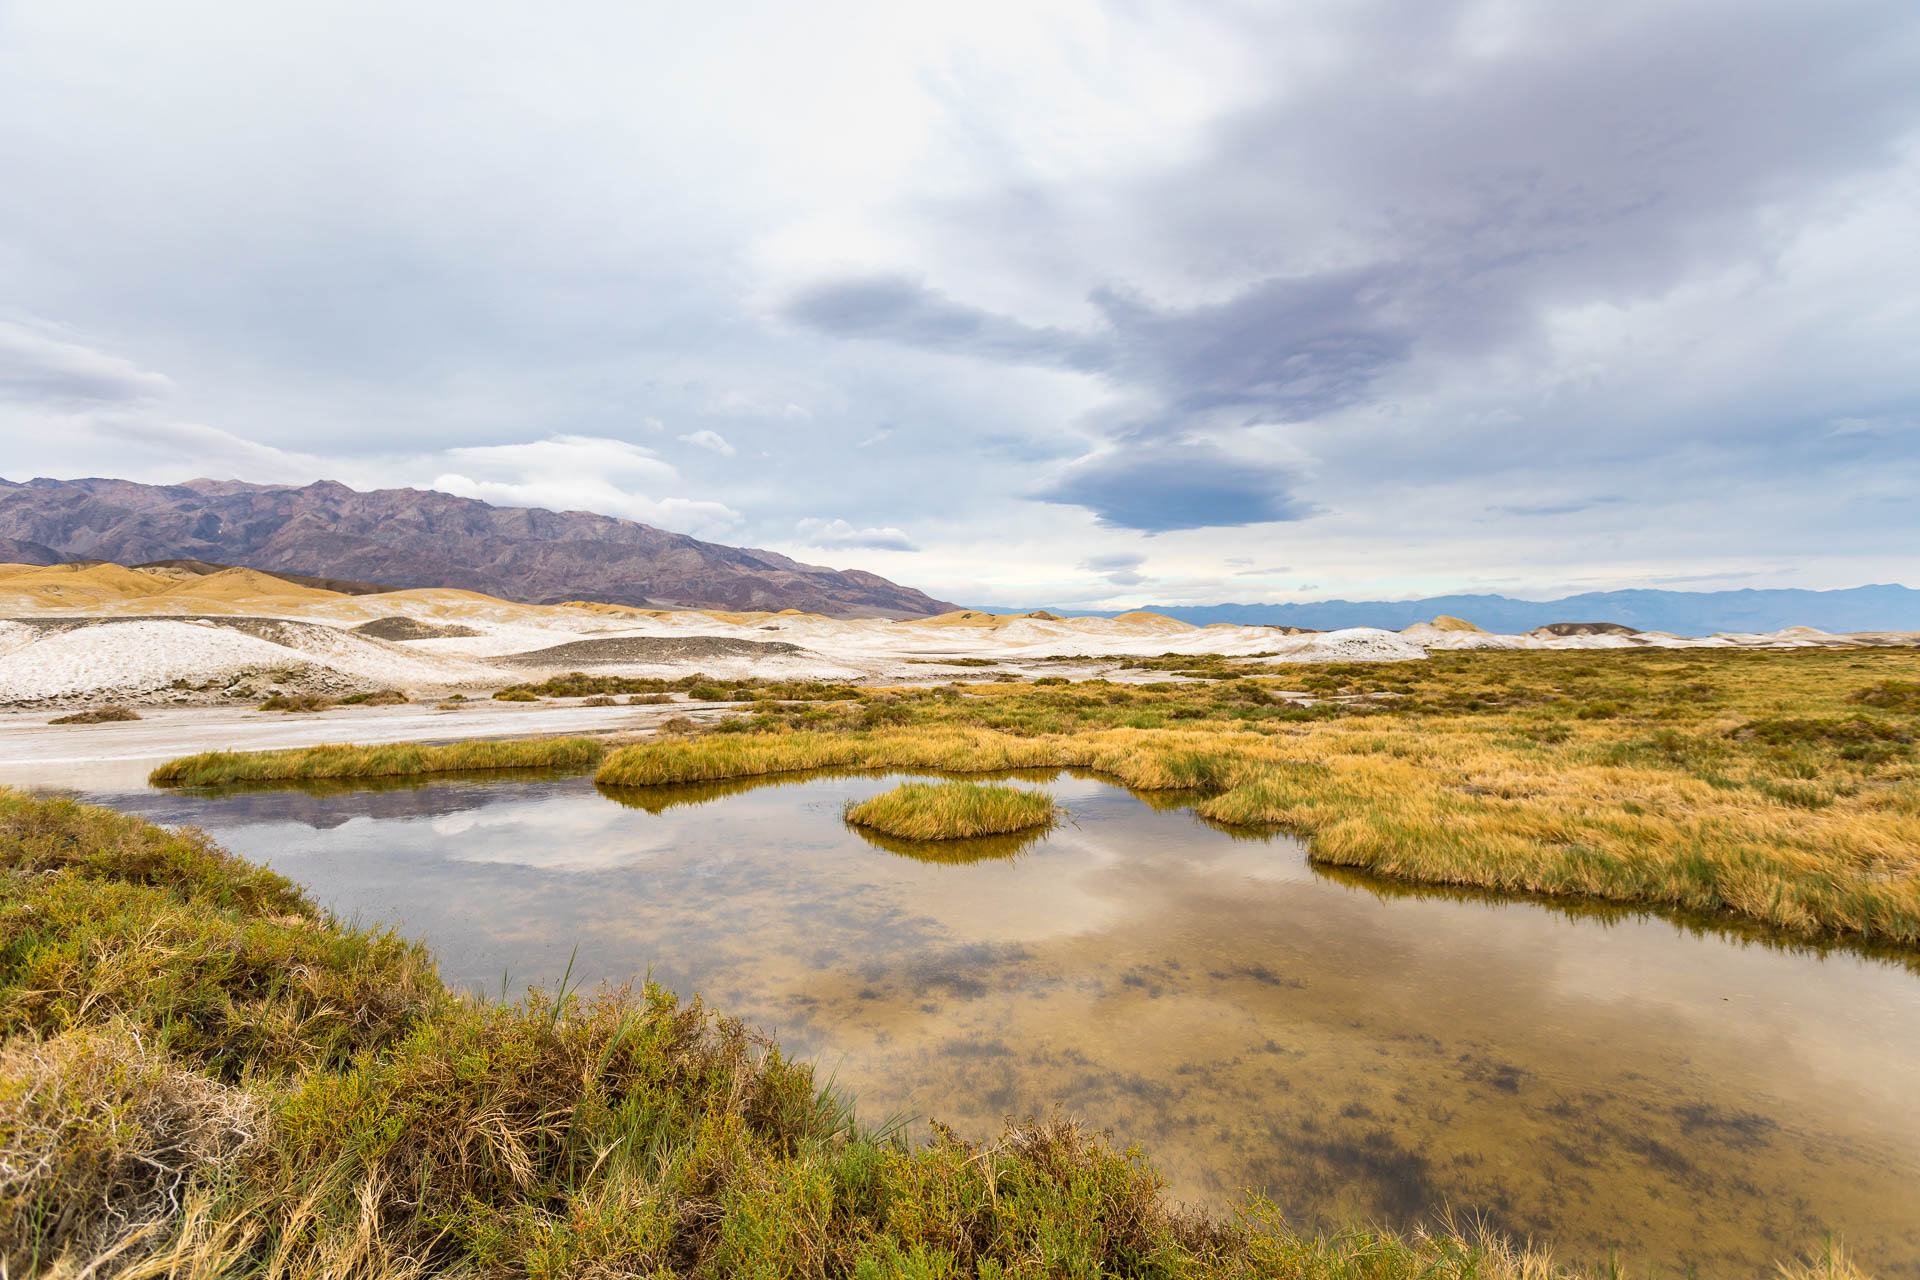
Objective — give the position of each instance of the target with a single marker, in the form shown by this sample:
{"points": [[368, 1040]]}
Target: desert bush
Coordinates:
{"points": [[375, 698], [98, 715], [1890, 695], [297, 702]]}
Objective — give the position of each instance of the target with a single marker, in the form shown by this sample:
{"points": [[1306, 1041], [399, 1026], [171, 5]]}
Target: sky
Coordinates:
{"points": [[1023, 304]]}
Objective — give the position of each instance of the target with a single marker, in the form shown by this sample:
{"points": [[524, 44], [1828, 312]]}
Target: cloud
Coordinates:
{"points": [[566, 457], [141, 444], [1569, 507], [581, 473], [838, 534], [1876, 426], [1281, 350], [1178, 486], [900, 310], [1121, 570], [710, 440], [42, 363], [1268, 572]]}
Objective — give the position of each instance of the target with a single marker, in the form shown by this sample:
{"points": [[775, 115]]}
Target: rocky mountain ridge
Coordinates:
{"points": [[421, 538]]}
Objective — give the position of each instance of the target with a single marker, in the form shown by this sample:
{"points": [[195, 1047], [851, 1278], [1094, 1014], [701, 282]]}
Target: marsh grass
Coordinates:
{"points": [[405, 759], [1778, 787], [929, 811]]}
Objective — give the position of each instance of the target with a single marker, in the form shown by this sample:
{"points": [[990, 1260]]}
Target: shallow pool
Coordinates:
{"points": [[1680, 1092]]}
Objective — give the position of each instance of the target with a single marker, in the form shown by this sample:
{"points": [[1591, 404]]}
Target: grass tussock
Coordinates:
{"points": [[952, 810], [98, 715], [206, 1079], [101, 1140], [376, 698], [297, 702], [221, 768], [1768, 786]]}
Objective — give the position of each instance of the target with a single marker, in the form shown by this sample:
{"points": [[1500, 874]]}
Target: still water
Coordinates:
{"points": [[1676, 1092]]}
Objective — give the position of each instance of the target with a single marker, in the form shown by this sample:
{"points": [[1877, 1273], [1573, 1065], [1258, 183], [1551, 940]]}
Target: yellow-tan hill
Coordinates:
{"points": [[246, 584], [74, 586], [1147, 620]]}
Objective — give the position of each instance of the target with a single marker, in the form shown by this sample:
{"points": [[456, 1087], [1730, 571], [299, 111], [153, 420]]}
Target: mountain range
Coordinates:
{"points": [[1687, 613], [400, 538], [419, 538]]}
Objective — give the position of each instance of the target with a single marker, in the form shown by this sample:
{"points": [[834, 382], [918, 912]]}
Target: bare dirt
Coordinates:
{"points": [[625, 650], [398, 627]]}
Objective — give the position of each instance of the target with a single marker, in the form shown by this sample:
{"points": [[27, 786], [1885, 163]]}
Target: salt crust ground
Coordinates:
{"points": [[132, 650]]}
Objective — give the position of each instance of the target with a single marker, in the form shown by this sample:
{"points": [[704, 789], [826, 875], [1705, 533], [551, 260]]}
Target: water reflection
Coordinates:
{"points": [[1356, 1050]]}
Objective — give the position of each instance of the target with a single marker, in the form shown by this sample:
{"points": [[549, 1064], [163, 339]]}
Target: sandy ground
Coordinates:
{"points": [[75, 635]]}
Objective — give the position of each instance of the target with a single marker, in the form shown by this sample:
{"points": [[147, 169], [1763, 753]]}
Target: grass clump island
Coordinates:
{"points": [[952, 810], [203, 1075], [391, 760]]}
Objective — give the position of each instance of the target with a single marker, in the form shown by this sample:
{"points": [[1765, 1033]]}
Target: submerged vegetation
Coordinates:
{"points": [[203, 1075], [400, 759], [1774, 786], [952, 810]]}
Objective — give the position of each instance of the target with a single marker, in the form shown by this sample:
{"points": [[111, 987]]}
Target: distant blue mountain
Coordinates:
{"points": [[1687, 613]]}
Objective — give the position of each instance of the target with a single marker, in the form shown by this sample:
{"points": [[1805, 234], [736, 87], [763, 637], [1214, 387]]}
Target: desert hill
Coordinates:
{"points": [[406, 538]]}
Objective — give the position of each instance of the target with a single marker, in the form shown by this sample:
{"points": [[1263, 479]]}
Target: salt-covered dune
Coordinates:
{"points": [[135, 660], [158, 634]]}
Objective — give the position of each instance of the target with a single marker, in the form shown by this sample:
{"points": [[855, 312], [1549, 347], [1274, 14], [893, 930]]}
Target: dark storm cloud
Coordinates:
{"points": [[1164, 487], [895, 309], [1282, 350], [1438, 189], [1600, 158]]}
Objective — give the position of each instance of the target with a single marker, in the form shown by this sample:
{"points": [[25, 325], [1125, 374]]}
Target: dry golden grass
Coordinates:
{"points": [[1751, 784], [392, 760], [952, 810]]}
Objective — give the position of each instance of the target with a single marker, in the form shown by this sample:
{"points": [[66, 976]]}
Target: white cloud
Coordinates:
{"points": [[711, 440], [838, 533], [581, 473], [1871, 426], [46, 364], [567, 457], [681, 515]]}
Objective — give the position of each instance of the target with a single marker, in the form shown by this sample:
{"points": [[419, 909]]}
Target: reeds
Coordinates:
{"points": [[401, 759]]}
